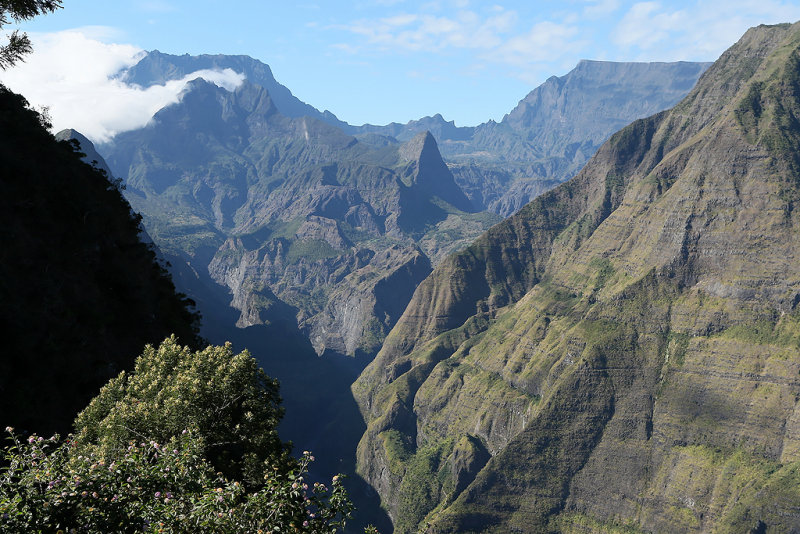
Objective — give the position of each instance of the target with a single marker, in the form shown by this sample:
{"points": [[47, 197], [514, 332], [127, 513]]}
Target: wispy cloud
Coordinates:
{"points": [[651, 30], [699, 30], [74, 76], [414, 32], [544, 42], [493, 35]]}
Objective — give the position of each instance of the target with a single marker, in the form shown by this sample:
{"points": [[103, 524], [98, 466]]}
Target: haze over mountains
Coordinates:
{"points": [[553, 131], [294, 209], [543, 141], [297, 227]]}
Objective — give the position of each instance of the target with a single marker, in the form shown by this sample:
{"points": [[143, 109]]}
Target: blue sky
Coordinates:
{"points": [[383, 60]]}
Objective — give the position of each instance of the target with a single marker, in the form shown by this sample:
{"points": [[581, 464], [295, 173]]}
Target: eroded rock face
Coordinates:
{"points": [[627, 346], [298, 220]]}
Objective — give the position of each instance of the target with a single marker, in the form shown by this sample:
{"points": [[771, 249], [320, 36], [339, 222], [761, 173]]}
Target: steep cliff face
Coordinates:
{"points": [[292, 215], [156, 68], [624, 352], [80, 293], [558, 126]]}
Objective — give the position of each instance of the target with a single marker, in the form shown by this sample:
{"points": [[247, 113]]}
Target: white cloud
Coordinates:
{"points": [[74, 76], [601, 8], [494, 35], [647, 24]]}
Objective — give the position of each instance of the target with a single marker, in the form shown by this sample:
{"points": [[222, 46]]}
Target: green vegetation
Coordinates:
{"points": [[605, 270], [421, 488], [397, 450], [155, 487], [657, 338], [783, 332], [569, 523], [185, 443], [227, 397], [310, 250]]}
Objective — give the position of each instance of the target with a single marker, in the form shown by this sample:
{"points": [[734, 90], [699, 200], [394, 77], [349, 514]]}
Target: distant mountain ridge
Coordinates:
{"points": [[157, 68], [558, 126], [501, 166]]}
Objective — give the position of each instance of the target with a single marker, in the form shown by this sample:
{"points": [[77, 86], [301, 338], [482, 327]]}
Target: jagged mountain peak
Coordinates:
{"points": [[422, 145], [429, 173]]}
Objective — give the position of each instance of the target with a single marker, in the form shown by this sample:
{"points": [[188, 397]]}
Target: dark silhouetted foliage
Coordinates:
{"points": [[80, 294]]}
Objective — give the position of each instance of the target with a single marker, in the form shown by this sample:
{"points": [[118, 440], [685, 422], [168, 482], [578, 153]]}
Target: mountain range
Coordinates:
{"points": [[297, 234], [542, 142], [233, 198], [292, 215], [553, 131], [620, 354]]}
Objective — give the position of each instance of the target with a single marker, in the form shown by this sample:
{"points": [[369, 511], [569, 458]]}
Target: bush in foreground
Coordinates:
{"points": [[155, 487]]}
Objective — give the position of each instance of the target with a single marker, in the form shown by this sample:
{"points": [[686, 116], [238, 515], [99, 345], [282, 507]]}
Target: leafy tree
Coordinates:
{"points": [[227, 397], [19, 10]]}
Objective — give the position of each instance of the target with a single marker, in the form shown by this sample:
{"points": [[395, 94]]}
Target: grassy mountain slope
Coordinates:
{"points": [[623, 354], [80, 294]]}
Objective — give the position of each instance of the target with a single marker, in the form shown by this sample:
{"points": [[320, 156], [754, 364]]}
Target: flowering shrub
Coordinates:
{"points": [[185, 443], [49, 486]]}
